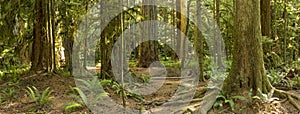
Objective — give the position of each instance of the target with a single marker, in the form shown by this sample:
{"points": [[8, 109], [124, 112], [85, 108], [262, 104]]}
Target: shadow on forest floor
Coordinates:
{"points": [[61, 90]]}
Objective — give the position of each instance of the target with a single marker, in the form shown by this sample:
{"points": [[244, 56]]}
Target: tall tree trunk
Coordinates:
{"points": [[266, 17], [285, 32], [68, 39], [148, 50], [174, 23], [198, 43], [40, 37], [166, 19], [185, 28], [49, 37], [298, 38], [218, 44], [265, 8], [247, 71], [53, 33], [274, 34], [106, 44], [181, 25]]}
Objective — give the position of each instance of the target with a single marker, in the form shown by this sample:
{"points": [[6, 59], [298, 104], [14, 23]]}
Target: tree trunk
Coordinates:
{"points": [[296, 51], [285, 32], [218, 44], [198, 43], [274, 34], [68, 39], [49, 38], [247, 71], [40, 46], [181, 25], [148, 50], [266, 17], [266, 23], [174, 23], [53, 32]]}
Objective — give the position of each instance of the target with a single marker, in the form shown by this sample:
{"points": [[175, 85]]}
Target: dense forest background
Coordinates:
{"points": [[44, 42]]}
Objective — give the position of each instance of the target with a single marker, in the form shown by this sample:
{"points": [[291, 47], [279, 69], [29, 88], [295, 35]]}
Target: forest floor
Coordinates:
{"points": [[61, 90]]}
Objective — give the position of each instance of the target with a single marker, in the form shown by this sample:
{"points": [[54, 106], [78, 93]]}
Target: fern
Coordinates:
{"points": [[81, 93], [105, 82], [9, 94], [83, 98], [223, 100], [31, 94], [90, 85], [1, 99], [72, 105], [37, 97], [46, 96]]}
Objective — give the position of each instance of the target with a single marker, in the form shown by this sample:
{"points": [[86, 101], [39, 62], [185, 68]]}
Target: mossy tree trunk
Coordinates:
{"points": [[296, 53], [285, 29], [247, 70], [198, 43]]}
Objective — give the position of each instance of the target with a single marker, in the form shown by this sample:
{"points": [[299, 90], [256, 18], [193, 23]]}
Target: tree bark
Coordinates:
{"points": [[274, 34], [148, 50], [285, 32], [296, 52], [40, 46], [181, 25], [266, 18], [53, 32], [68, 39], [198, 43], [247, 71]]}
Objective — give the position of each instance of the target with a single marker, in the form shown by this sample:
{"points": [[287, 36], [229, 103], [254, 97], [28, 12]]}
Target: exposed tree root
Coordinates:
{"points": [[290, 97], [295, 104]]}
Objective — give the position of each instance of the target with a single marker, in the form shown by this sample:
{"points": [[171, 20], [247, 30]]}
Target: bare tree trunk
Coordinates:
{"points": [[148, 50], [219, 44], [181, 25], [266, 17], [274, 35], [39, 45], [68, 38], [178, 37], [53, 33], [49, 37], [186, 29], [174, 37], [105, 46]]}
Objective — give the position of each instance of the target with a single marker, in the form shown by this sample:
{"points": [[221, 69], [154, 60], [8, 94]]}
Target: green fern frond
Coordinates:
{"points": [[72, 105], [37, 97], [81, 93], [31, 94], [98, 97]]}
